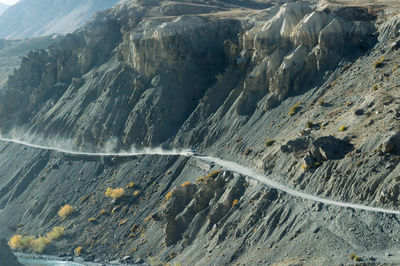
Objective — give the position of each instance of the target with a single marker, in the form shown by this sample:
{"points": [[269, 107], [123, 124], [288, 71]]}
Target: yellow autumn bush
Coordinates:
{"points": [[39, 244], [29, 243], [56, 233], [185, 184], [65, 211], [78, 250], [115, 193]]}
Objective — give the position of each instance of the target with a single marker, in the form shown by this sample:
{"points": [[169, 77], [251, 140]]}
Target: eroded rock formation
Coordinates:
{"points": [[152, 72]]}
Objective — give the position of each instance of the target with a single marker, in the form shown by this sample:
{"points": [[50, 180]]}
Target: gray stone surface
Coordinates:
{"points": [[223, 78], [7, 258]]}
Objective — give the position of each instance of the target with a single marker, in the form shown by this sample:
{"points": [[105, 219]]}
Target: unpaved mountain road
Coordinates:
{"points": [[228, 165]]}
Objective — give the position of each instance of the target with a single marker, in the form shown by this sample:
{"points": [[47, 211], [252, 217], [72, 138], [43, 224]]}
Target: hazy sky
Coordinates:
{"points": [[9, 2]]}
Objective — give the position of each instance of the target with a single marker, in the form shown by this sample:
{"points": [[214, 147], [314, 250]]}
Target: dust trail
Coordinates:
{"points": [[155, 151], [228, 165]]}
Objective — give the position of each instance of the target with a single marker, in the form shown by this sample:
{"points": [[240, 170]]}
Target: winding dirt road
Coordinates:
{"points": [[228, 165]]}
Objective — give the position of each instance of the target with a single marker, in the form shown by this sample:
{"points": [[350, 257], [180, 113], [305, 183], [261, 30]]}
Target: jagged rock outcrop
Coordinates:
{"points": [[291, 46], [317, 150], [192, 208], [6, 255], [391, 143]]}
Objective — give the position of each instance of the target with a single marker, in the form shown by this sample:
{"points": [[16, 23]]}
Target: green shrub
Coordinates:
{"points": [[375, 87], [247, 151], [354, 257], [131, 185], [210, 175], [309, 124], [379, 63], [269, 142], [294, 109]]}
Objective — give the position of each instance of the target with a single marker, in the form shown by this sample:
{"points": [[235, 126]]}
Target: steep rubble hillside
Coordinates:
{"points": [[304, 92], [175, 211], [34, 18]]}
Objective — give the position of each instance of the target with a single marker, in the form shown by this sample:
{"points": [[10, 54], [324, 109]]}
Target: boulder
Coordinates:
{"points": [[391, 143], [295, 145], [395, 45], [328, 148]]}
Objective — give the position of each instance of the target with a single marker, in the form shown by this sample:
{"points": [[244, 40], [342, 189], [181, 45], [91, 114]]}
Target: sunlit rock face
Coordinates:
{"points": [[292, 45]]}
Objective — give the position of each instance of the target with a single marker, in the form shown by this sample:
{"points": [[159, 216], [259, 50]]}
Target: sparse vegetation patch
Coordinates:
{"points": [[65, 211], [294, 109], [269, 142], [115, 193], [379, 63]]}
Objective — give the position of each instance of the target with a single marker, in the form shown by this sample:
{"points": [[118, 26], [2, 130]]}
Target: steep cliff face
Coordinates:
{"points": [[292, 46], [32, 18], [155, 76]]}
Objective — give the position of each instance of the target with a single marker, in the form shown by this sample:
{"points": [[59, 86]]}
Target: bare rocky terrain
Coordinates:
{"points": [[6, 255], [305, 93], [12, 52]]}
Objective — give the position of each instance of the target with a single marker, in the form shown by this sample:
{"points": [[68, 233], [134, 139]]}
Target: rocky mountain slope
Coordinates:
{"points": [[304, 92], [6, 255], [12, 52], [34, 18]]}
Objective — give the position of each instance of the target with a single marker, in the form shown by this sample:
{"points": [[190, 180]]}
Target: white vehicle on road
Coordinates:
{"points": [[190, 152]]}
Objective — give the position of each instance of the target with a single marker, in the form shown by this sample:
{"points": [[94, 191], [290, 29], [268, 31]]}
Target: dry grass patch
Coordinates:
{"points": [[185, 184], [115, 193], [294, 109], [65, 211], [379, 63], [78, 250], [56, 233]]}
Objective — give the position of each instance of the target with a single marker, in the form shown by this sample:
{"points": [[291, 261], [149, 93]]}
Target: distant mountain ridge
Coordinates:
{"points": [[33, 18], [3, 7]]}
